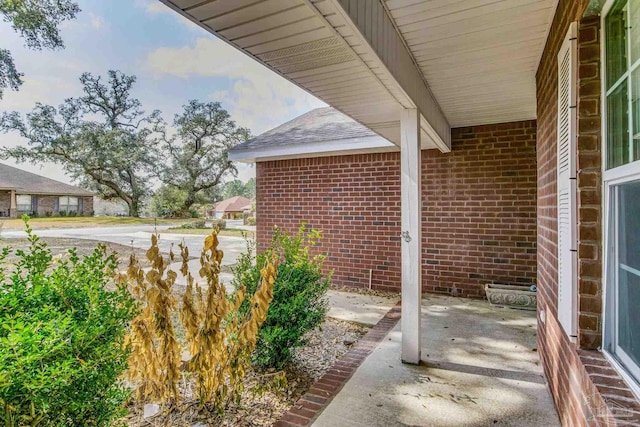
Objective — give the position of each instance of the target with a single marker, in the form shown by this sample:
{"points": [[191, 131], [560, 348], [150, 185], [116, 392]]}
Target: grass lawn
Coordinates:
{"points": [[81, 221], [235, 232]]}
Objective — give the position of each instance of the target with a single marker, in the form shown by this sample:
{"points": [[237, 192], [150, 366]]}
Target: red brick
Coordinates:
{"points": [[481, 192]]}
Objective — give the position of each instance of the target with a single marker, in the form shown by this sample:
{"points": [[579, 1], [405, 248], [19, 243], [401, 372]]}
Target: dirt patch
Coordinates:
{"points": [[325, 345], [85, 247]]}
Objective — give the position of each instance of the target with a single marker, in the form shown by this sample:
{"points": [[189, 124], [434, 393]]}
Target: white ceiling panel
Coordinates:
{"points": [[460, 62], [478, 56]]}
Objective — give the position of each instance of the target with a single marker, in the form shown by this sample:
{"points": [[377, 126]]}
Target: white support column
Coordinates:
{"points": [[411, 235]]}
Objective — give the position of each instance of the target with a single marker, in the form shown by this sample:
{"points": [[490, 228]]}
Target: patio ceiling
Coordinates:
{"points": [[459, 62], [479, 56]]}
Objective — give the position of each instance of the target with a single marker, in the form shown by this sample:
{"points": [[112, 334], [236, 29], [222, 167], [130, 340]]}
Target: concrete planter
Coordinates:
{"points": [[511, 296]]}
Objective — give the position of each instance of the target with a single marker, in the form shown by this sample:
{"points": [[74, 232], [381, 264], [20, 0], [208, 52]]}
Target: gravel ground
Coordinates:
{"points": [[325, 345], [365, 291]]}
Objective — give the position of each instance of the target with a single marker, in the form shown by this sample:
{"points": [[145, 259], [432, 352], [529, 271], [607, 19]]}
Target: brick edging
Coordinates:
{"points": [[322, 392]]}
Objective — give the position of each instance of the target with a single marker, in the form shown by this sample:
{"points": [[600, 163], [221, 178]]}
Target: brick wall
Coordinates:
{"points": [[46, 204], [87, 206], [478, 210], [583, 384], [589, 185], [5, 202], [354, 200]]}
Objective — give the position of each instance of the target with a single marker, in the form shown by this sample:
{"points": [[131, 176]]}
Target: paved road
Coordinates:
{"points": [[140, 237]]}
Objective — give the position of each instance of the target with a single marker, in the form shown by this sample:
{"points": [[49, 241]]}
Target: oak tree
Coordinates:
{"points": [[197, 151], [37, 22], [103, 139]]}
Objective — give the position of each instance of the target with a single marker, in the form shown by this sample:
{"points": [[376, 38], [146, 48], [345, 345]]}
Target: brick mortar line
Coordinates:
{"points": [[309, 407]]}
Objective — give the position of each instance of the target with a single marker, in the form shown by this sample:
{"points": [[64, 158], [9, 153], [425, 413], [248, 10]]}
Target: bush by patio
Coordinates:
{"points": [[299, 294], [61, 338]]}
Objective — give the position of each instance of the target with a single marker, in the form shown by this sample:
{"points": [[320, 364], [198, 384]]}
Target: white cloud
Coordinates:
{"points": [[258, 98], [97, 22], [245, 171], [44, 90], [155, 7]]}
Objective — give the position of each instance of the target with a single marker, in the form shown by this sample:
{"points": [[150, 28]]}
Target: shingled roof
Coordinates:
{"points": [[321, 124], [24, 182], [234, 204]]}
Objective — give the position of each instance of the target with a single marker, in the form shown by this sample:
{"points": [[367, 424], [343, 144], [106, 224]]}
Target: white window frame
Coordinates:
{"points": [[630, 372], [30, 203], [66, 205], [567, 303]]}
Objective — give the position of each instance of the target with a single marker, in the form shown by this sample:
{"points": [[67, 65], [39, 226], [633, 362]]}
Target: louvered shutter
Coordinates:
{"points": [[567, 209]]}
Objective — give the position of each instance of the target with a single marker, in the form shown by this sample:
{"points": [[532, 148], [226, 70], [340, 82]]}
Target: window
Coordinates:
{"points": [[621, 87], [68, 204], [23, 202], [566, 176]]}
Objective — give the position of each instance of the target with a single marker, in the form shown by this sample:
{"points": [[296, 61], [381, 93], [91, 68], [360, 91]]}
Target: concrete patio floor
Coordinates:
{"points": [[479, 367]]}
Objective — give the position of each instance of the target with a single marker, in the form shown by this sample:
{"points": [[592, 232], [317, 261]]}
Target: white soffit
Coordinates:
{"points": [[313, 44], [372, 144], [479, 56]]}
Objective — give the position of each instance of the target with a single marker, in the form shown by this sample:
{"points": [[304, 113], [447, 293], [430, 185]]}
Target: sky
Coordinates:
{"points": [[174, 61]]}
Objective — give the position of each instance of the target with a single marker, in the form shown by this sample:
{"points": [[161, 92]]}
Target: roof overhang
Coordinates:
{"points": [[25, 191], [459, 62], [372, 144]]}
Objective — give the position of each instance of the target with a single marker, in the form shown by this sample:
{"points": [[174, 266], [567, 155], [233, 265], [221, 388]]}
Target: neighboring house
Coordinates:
{"points": [[231, 208], [516, 159], [23, 192], [110, 207]]}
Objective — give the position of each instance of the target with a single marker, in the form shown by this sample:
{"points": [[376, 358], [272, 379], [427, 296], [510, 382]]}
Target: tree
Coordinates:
{"points": [[168, 201], [198, 151], [103, 139], [234, 188], [239, 188], [250, 188], [37, 21]]}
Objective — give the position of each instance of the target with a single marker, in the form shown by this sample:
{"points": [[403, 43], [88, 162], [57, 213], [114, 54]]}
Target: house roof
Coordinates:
{"points": [[321, 124], [234, 204], [24, 182], [319, 132]]}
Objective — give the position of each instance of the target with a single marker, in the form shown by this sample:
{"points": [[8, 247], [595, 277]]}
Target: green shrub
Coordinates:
{"points": [[62, 213], [251, 220], [199, 224], [61, 338], [220, 222], [299, 303]]}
